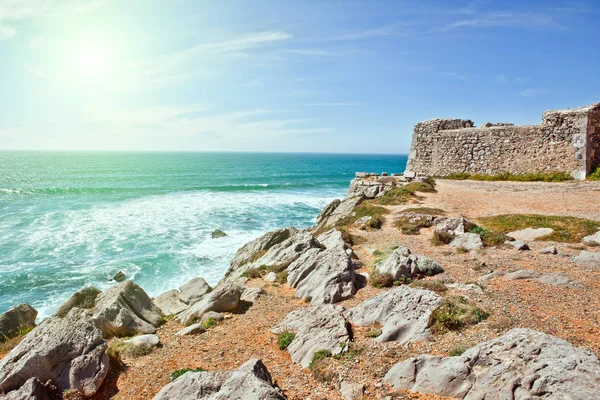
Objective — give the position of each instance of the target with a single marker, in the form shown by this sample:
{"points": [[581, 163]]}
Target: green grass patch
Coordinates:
{"points": [[284, 339], [365, 209], [505, 176], [454, 313], [566, 229], [594, 176], [433, 285], [425, 210], [373, 333], [176, 374], [489, 238], [457, 351], [210, 323], [262, 270], [403, 194], [440, 238]]}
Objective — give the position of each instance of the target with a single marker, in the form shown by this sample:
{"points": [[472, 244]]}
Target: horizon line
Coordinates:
{"points": [[197, 152]]}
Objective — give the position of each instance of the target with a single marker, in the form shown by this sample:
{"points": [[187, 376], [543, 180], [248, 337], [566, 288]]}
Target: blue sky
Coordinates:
{"points": [[307, 76]]}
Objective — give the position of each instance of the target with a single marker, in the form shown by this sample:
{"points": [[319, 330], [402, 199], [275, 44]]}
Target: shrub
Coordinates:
{"points": [[433, 285], [281, 277], [365, 209], [284, 339], [376, 222], [396, 196], [457, 351], [381, 279], [318, 366], [566, 229], [505, 176], [374, 332], [441, 238], [594, 176], [176, 374], [455, 313], [210, 323], [489, 238], [461, 250]]}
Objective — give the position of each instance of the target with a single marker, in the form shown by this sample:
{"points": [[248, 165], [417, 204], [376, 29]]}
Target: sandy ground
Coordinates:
{"points": [[570, 313]]}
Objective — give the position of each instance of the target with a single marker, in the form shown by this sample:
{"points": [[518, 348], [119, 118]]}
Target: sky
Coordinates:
{"points": [[292, 76]]}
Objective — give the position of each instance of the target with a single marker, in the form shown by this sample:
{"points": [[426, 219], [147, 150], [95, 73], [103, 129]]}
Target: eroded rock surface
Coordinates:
{"points": [[15, 320], [170, 303], [587, 259], [33, 389], [224, 298], [321, 327], [85, 298], [592, 240], [403, 313], [251, 381], [521, 364], [126, 310], [468, 241], [402, 263], [325, 275], [530, 234], [453, 226], [248, 251], [338, 210], [69, 351]]}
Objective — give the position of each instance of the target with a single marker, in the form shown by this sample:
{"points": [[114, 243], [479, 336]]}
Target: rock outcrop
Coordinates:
{"points": [[142, 343], [170, 303], [592, 240], [194, 290], [250, 250], [521, 364], [85, 298], [69, 351], [217, 234], [337, 210], [126, 310], [251, 381], [372, 186], [517, 244], [16, 320], [401, 263], [587, 259], [453, 226], [530, 234], [467, 241], [403, 312], [224, 297], [322, 327], [324, 275], [33, 389]]}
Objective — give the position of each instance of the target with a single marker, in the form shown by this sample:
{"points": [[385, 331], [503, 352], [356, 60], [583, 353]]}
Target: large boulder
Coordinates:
{"points": [[521, 364], [587, 259], [403, 312], [33, 389], [592, 240], [224, 298], [338, 210], [194, 290], [251, 249], [126, 310], [530, 234], [324, 274], [322, 327], [69, 351], [280, 254], [85, 298], [468, 241], [170, 303], [250, 381], [371, 186], [16, 320], [401, 263], [453, 226]]}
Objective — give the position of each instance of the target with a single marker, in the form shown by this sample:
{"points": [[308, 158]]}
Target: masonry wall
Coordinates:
{"points": [[562, 142]]}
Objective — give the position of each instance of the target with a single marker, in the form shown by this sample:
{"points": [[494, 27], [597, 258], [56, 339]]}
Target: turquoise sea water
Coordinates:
{"points": [[69, 220]]}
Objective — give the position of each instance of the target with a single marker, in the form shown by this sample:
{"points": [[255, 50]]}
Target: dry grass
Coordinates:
{"points": [[566, 229], [454, 313], [505, 176]]}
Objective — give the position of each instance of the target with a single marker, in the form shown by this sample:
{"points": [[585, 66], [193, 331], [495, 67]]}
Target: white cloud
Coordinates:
{"points": [[369, 33], [6, 32], [505, 19], [533, 92]]}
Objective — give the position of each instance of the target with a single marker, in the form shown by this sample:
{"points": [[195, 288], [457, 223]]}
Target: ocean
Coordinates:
{"points": [[73, 219]]}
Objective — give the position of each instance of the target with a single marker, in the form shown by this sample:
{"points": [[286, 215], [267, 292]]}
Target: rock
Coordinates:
{"points": [[587, 259], [371, 186], [351, 254], [251, 294], [402, 264], [468, 241], [69, 351], [530, 234], [522, 274], [224, 297], [85, 298], [251, 381], [559, 279], [142, 342], [212, 315], [217, 233], [283, 253], [548, 250], [194, 290], [517, 244], [351, 391], [169, 302], [466, 287], [326, 275], [263, 243], [119, 276], [126, 310], [193, 329], [16, 320], [33, 389], [453, 226], [521, 364], [403, 313], [270, 277], [491, 276], [321, 327], [338, 210], [592, 240]]}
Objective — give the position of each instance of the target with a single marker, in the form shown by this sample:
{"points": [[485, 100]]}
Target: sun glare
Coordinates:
{"points": [[91, 60]]}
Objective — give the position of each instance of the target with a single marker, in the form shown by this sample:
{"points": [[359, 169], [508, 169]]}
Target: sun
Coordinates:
{"points": [[91, 60]]}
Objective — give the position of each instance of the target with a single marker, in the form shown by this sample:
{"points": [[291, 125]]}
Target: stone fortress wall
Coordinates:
{"points": [[566, 141]]}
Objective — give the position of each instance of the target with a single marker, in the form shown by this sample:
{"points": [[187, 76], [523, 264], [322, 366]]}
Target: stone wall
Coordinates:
{"points": [[565, 141]]}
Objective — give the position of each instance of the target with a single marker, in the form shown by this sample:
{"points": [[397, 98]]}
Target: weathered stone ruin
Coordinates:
{"points": [[566, 141]]}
